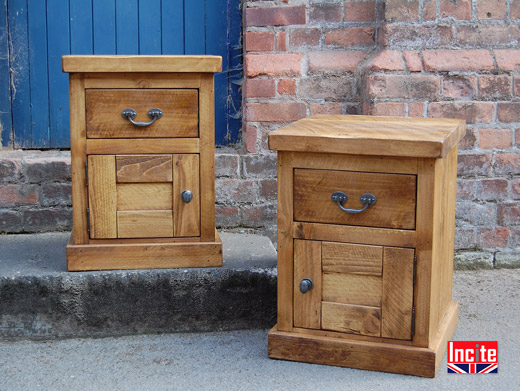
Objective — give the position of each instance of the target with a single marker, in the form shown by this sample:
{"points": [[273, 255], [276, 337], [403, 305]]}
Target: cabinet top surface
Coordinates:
{"points": [[121, 63], [369, 135]]}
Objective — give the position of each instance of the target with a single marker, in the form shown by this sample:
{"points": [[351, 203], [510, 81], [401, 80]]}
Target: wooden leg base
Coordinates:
{"points": [[375, 356], [82, 257]]}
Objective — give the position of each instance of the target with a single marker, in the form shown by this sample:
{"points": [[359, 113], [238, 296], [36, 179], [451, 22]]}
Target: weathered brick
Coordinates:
{"points": [[507, 163], [459, 87], [517, 137], [416, 36], [514, 11], [472, 112], [50, 219], [476, 214], [403, 86], [326, 108], [490, 138], [494, 87], [269, 189], [473, 164], [413, 60], [465, 238], [493, 189], [491, 9], [392, 109], [227, 216], [259, 41], [508, 112], [226, 165], [353, 36], [386, 60], [469, 141], [9, 169], [251, 138], [473, 260], [509, 214], [508, 59], [231, 191], [260, 88], [416, 109], [516, 86], [259, 166], [10, 221], [509, 259], [344, 61], [325, 12], [359, 11], [47, 169], [401, 10], [258, 215], [274, 16], [305, 37], [467, 189], [490, 34], [456, 9], [273, 64], [56, 194], [275, 112], [19, 194], [457, 60], [489, 238], [281, 41], [286, 87], [429, 10], [332, 88]]}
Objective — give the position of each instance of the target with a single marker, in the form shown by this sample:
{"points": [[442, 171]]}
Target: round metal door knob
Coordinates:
{"points": [[186, 196], [306, 285]]}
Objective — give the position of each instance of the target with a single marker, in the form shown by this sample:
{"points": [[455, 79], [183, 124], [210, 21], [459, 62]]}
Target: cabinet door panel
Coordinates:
{"points": [[352, 258], [307, 264], [397, 293], [352, 289], [186, 215], [353, 319], [102, 196], [144, 224], [144, 196], [144, 168]]}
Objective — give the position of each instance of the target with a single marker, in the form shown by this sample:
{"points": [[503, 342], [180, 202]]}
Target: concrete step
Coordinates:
{"points": [[40, 299]]}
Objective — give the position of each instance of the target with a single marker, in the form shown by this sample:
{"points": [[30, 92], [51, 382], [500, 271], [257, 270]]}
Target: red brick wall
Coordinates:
{"points": [[430, 58]]}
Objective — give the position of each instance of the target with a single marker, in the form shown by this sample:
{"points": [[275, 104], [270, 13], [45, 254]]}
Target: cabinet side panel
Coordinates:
{"points": [[102, 196], [78, 158], [285, 241], [307, 264], [397, 293], [186, 215], [207, 158], [443, 238]]}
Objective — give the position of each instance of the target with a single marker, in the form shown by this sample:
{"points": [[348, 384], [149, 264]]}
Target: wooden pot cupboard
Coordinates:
{"points": [[142, 150], [366, 219]]}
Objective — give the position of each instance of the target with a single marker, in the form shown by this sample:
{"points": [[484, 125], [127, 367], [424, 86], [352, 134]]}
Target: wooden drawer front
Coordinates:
{"points": [[139, 196], [372, 298], [395, 193], [180, 112]]}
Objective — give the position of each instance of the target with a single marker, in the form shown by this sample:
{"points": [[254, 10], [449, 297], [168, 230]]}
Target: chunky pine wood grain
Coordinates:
{"points": [[144, 224], [102, 196], [352, 319], [186, 216], [352, 258], [144, 168], [137, 196], [142, 146]]}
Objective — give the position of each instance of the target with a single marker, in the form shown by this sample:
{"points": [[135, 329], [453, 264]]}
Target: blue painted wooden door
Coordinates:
{"points": [[34, 34]]}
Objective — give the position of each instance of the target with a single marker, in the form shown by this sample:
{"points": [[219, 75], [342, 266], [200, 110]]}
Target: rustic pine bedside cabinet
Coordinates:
{"points": [[366, 219], [142, 150]]}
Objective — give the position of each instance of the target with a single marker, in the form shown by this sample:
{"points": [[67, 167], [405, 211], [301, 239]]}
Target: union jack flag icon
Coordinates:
{"points": [[472, 368]]}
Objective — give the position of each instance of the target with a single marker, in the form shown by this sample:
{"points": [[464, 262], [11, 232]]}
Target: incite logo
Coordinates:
{"points": [[472, 357]]}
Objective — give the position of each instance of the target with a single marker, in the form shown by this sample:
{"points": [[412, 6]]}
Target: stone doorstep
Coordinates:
{"points": [[40, 299]]}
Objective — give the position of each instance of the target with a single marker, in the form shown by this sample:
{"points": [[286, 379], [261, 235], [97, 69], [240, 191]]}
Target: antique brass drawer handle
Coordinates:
{"points": [[366, 199], [130, 114]]}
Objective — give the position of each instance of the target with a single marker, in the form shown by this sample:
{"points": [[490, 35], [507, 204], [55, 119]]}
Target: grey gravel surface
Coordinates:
{"points": [[237, 360]]}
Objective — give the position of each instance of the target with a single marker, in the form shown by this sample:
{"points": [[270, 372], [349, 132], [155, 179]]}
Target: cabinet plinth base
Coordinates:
{"points": [[375, 356], [81, 257]]}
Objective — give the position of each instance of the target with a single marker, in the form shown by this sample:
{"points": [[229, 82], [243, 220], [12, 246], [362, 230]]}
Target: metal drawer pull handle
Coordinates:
{"points": [[186, 196], [366, 199], [306, 285], [130, 114]]}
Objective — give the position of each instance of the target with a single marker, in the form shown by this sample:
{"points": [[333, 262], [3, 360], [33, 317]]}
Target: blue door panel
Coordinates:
{"points": [[34, 100]]}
